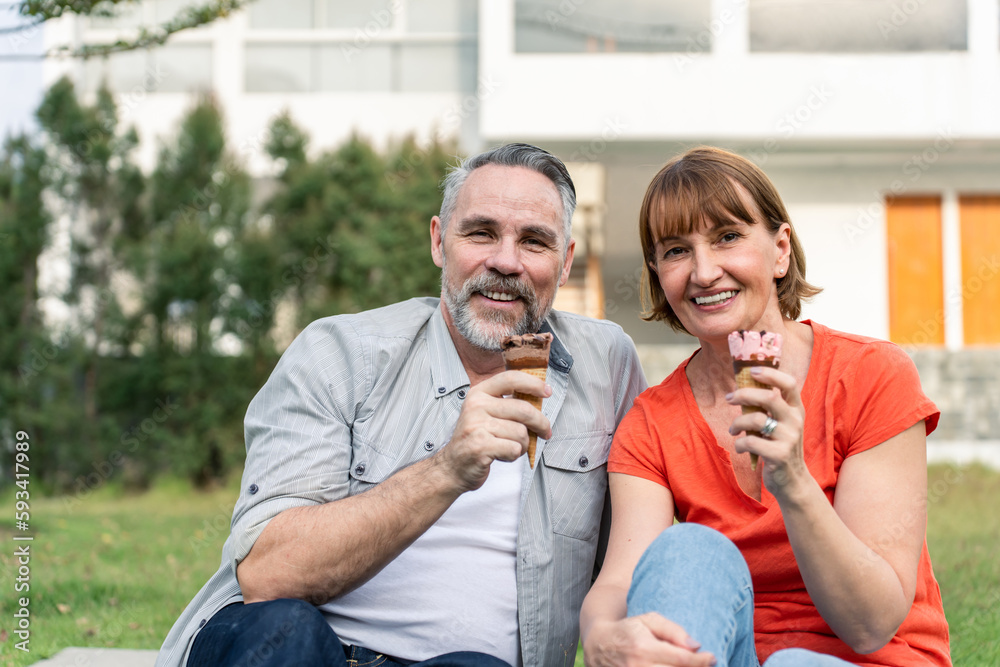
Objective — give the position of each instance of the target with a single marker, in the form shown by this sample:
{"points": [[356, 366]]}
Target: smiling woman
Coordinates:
{"points": [[816, 557], [708, 187]]}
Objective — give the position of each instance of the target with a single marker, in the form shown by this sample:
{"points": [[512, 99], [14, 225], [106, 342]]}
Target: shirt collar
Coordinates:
{"points": [[447, 372]]}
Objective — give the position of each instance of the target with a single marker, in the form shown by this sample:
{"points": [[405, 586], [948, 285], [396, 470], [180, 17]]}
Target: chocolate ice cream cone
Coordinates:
{"points": [[528, 353]]}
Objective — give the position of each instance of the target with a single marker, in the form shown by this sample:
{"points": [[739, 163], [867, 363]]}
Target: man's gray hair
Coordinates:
{"points": [[513, 155]]}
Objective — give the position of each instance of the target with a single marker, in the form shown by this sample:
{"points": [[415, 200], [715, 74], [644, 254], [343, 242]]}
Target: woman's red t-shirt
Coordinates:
{"points": [[858, 393]]}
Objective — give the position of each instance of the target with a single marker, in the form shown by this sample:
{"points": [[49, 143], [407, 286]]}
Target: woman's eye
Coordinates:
{"points": [[730, 237]]}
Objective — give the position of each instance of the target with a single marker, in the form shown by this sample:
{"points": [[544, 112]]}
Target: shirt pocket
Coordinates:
{"points": [[577, 479], [369, 466]]}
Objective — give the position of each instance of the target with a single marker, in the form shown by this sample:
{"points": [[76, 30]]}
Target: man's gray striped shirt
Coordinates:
{"points": [[355, 398]]}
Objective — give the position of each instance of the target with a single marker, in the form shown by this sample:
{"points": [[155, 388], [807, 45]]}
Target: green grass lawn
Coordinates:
{"points": [[115, 570]]}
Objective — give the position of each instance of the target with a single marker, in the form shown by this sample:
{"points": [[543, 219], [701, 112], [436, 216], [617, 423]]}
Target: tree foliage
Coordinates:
{"points": [[24, 233], [185, 282], [146, 36], [354, 223]]}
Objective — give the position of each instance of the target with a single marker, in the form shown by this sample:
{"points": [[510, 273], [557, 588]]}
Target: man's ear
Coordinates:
{"points": [[568, 264], [436, 242]]}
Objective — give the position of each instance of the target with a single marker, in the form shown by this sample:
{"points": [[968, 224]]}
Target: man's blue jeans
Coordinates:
{"points": [[696, 577], [293, 633]]}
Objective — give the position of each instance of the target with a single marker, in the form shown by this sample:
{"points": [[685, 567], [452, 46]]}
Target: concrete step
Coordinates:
{"points": [[100, 657]]}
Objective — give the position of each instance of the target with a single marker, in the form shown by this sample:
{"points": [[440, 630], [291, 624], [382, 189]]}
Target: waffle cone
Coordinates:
{"points": [[535, 401], [744, 381]]}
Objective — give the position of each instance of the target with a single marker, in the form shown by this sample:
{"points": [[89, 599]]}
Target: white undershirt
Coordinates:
{"points": [[453, 589]]}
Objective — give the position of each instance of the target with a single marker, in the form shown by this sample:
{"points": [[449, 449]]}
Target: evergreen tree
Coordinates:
{"points": [[100, 189], [176, 284], [354, 225], [199, 204], [24, 230]]}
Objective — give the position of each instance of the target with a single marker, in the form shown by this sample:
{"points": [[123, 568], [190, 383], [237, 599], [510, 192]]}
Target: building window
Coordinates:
{"points": [[183, 68], [386, 66], [431, 68], [858, 26], [282, 14], [348, 68], [979, 217], [916, 271], [135, 14], [174, 68], [279, 68], [358, 14], [371, 17], [443, 16], [126, 16], [557, 26]]}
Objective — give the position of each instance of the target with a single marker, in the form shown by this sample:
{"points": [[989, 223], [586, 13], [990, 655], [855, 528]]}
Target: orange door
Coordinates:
{"points": [[980, 223], [916, 276]]}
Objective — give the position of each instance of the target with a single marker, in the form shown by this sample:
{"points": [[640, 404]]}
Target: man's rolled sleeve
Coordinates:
{"points": [[298, 430]]}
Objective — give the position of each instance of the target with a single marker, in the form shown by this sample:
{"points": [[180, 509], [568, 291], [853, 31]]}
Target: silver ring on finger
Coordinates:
{"points": [[769, 425]]}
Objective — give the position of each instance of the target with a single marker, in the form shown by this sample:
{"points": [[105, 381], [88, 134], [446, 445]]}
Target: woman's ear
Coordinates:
{"points": [[783, 243]]}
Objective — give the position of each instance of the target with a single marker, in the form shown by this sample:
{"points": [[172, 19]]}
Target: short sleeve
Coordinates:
{"points": [[635, 451], [884, 396], [298, 430]]}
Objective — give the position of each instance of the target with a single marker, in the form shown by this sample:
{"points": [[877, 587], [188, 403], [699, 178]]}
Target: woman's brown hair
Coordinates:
{"points": [[710, 185]]}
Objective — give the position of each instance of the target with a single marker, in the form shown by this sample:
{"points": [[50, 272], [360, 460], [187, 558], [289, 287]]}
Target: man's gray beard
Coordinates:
{"points": [[488, 331]]}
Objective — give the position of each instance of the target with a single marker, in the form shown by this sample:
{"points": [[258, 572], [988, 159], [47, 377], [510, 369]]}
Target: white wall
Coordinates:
{"points": [[732, 94]]}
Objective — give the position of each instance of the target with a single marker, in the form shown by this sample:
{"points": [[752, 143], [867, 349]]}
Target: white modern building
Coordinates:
{"points": [[20, 71], [879, 120]]}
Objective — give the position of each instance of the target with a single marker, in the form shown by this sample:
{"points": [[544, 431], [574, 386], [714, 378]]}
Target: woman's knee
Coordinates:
{"points": [[694, 553], [683, 541]]}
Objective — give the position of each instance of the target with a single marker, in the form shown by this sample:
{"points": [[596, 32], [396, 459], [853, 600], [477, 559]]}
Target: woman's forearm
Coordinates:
{"points": [[855, 589]]}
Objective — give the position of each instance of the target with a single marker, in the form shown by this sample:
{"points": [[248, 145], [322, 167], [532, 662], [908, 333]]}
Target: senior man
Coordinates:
{"points": [[387, 514]]}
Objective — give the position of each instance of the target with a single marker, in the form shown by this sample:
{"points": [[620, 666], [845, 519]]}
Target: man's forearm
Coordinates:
{"points": [[320, 552]]}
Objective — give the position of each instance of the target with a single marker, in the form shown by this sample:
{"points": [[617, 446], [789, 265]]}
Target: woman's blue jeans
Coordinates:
{"points": [[293, 633], [696, 577]]}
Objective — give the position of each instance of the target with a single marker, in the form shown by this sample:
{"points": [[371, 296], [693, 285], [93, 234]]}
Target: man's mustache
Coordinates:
{"points": [[495, 282]]}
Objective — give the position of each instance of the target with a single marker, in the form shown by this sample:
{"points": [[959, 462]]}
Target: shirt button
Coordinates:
{"points": [[203, 622], [441, 390], [359, 469], [253, 489], [584, 461], [461, 393], [428, 445]]}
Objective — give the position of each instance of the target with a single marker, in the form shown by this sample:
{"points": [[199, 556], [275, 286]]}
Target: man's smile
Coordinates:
{"points": [[499, 296]]}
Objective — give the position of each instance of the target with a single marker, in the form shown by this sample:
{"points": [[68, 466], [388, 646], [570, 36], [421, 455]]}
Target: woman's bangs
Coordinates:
{"points": [[675, 211], [680, 208]]}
